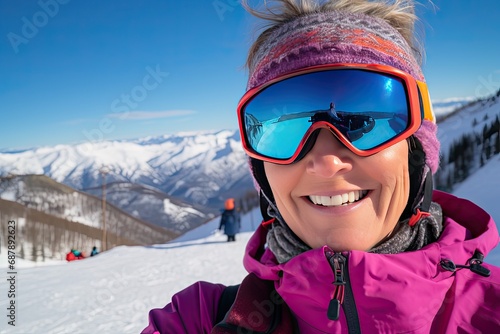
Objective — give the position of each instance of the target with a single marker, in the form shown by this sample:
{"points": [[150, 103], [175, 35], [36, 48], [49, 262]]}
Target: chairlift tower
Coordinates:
{"points": [[104, 241]]}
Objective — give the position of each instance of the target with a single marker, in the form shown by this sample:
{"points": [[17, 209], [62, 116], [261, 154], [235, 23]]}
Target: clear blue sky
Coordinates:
{"points": [[73, 71]]}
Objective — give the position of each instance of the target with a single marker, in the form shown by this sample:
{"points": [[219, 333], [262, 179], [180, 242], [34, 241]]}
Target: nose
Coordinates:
{"points": [[328, 157]]}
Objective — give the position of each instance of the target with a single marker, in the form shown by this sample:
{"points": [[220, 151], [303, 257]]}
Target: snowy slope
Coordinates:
{"points": [[113, 292], [446, 106], [472, 117], [483, 188]]}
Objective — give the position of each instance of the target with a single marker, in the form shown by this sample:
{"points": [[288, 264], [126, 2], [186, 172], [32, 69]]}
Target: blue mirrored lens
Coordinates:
{"points": [[368, 108]]}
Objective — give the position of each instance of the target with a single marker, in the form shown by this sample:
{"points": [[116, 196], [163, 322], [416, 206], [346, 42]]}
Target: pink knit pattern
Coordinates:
{"points": [[339, 37]]}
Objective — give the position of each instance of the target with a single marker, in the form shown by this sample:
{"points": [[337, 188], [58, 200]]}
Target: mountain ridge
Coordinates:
{"points": [[195, 170]]}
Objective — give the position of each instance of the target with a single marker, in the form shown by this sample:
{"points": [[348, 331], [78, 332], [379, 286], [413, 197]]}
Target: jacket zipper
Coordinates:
{"points": [[342, 295]]}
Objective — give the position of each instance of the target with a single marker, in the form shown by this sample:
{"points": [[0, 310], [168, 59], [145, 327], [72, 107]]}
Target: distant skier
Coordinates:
{"points": [[230, 220], [94, 251]]}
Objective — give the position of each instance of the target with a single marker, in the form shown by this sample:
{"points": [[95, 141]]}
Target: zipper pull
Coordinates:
{"points": [[337, 262], [333, 312]]}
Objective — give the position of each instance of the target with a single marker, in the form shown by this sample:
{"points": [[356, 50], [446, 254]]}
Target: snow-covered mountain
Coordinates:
{"points": [[469, 137], [152, 205], [470, 117], [446, 106], [176, 181], [199, 167]]}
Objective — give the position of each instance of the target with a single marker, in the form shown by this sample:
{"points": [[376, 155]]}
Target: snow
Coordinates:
{"points": [[153, 161], [443, 107], [9, 195], [177, 211], [113, 292], [483, 188], [455, 126]]}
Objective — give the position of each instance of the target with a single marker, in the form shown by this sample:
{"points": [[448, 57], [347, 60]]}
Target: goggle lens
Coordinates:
{"points": [[367, 108]]}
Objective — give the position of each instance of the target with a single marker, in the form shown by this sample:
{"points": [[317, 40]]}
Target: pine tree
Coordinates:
{"points": [[497, 144], [34, 252], [21, 251], [450, 182], [452, 157], [487, 150]]}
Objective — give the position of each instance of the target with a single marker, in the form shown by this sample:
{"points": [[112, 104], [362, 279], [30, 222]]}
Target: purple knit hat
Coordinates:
{"points": [[339, 37]]}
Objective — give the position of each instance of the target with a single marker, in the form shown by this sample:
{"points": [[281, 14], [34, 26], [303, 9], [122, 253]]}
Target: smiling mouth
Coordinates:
{"points": [[338, 200]]}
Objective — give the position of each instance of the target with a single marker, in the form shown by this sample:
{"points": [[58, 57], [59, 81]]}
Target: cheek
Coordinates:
{"points": [[280, 179], [394, 161], [395, 177], [273, 175], [396, 173]]}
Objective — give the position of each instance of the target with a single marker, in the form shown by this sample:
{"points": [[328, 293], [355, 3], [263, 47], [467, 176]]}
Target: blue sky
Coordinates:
{"points": [[74, 71]]}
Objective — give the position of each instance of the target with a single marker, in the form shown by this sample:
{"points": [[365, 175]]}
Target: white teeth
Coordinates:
{"points": [[345, 198], [337, 200]]}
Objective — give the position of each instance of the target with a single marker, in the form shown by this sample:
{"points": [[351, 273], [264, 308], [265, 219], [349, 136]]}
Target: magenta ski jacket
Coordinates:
{"points": [[441, 288]]}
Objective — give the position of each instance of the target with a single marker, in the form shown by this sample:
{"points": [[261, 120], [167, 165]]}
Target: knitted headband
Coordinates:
{"points": [[339, 37]]}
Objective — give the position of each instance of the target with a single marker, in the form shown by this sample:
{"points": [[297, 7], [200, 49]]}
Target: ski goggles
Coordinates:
{"points": [[367, 107]]}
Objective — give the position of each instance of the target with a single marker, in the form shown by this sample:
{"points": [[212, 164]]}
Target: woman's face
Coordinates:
{"points": [[334, 197]]}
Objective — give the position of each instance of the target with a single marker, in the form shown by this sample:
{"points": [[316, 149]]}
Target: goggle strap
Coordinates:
{"points": [[270, 203], [426, 101], [428, 190]]}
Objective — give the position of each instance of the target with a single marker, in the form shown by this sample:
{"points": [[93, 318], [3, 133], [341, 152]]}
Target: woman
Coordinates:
{"points": [[354, 238]]}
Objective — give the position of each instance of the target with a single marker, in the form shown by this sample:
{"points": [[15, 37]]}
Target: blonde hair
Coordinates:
{"points": [[400, 14]]}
